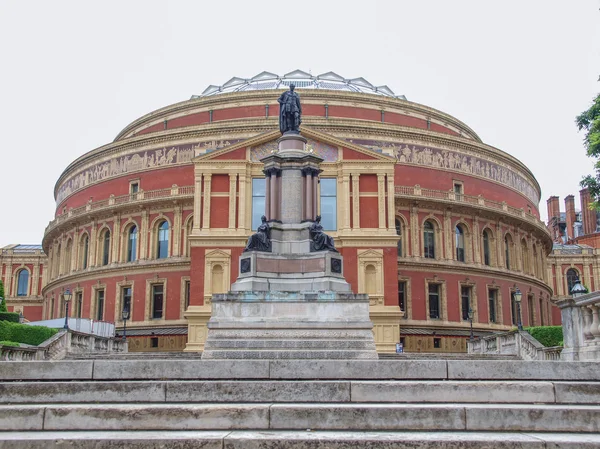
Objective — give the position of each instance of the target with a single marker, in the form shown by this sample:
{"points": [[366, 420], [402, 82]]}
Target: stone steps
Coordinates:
{"points": [[270, 404], [295, 440]]}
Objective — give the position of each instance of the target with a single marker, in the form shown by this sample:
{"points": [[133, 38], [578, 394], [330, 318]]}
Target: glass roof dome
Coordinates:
{"points": [[302, 80]]}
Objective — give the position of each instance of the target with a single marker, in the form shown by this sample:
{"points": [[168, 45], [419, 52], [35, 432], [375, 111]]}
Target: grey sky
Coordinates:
{"points": [[73, 74]]}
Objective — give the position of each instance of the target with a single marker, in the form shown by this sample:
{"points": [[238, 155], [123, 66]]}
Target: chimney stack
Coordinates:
{"points": [[570, 216], [553, 208], [587, 216]]}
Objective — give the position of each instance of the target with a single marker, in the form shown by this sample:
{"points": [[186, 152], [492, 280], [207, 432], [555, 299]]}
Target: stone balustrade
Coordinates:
{"points": [[475, 201], [581, 327], [521, 344], [62, 343]]}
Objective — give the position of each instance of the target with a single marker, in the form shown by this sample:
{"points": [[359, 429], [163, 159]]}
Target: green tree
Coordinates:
{"points": [[3, 304], [590, 122]]}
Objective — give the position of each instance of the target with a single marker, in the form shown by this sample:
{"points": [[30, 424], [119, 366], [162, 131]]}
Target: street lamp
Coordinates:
{"points": [[470, 314], [67, 298], [125, 317], [518, 296]]}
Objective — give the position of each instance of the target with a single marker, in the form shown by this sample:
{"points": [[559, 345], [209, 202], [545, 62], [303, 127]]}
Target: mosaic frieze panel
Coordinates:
{"points": [[452, 160], [141, 160], [328, 152]]}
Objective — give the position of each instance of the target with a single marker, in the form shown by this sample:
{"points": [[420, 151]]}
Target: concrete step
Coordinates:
{"points": [[320, 344], [289, 354], [294, 440], [299, 416], [300, 369], [282, 391], [445, 356], [135, 356]]}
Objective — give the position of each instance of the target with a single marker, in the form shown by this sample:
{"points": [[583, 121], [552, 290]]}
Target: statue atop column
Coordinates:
{"points": [[290, 112]]}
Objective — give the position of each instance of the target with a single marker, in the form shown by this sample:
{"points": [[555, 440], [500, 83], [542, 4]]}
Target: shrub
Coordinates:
{"points": [[22, 333], [9, 343], [9, 316], [3, 302], [547, 335]]}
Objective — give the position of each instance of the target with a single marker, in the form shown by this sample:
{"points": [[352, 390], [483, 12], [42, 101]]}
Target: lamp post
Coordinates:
{"points": [[67, 298], [125, 317], [518, 296], [470, 313]]}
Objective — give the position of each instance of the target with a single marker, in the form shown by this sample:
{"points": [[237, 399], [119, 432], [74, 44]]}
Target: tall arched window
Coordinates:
{"points": [[486, 247], [22, 283], [132, 243], [428, 240], [162, 247], [85, 245], [572, 277], [399, 233], [536, 267], [460, 243], [507, 258], [525, 257], [105, 247], [68, 253], [57, 271]]}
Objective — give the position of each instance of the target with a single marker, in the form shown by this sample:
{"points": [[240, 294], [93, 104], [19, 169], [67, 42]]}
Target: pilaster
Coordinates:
{"points": [[381, 199], [345, 198], [242, 180], [143, 234], [476, 239], [448, 235], [355, 201], [232, 198], [116, 239], [197, 202], [177, 231], [206, 208], [415, 230], [92, 256], [391, 209]]}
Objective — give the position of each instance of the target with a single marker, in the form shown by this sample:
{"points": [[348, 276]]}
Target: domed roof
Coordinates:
{"points": [[302, 80]]}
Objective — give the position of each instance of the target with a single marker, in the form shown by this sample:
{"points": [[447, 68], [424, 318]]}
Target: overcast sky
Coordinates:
{"points": [[73, 74]]}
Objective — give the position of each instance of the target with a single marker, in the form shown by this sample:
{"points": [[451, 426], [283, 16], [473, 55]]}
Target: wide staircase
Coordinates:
{"points": [[389, 403]]}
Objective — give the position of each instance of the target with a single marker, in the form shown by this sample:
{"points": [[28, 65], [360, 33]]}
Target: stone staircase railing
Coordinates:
{"points": [[61, 344], [581, 327], [521, 344]]}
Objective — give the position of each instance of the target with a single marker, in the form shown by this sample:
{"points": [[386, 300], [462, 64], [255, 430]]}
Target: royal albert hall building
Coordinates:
{"points": [[431, 221]]}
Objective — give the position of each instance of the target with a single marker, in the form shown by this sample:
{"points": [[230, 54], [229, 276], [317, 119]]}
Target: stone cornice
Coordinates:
{"points": [[234, 99]]}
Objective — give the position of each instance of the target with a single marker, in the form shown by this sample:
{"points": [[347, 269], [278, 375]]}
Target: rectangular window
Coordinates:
{"points": [[492, 299], [154, 342], [434, 301], [543, 321], [99, 305], [329, 204], [437, 343], [157, 301], [187, 294], [258, 201], [458, 190], [78, 304], [402, 295], [465, 302], [134, 188], [125, 299]]}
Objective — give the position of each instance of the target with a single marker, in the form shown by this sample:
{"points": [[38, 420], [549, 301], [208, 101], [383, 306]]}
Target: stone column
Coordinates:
{"points": [[274, 199], [116, 253], [448, 236], [476, 238], [206, 208], [345, 198], [74, 248], [355, 201], [232, 198], [315, 193], [391, 203], [500, 247], [415, 230], [242, 201], [178, 211], [143, 235], [308, 204], [267, 196], [92, 246], [197, 202], [381, 199], [36, 278]]}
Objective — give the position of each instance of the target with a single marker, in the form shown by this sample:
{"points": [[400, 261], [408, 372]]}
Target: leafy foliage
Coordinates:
{"points": [[547, 335], [9, 343], [3, 303], [589, 121], [22, 333], [9, 316]]}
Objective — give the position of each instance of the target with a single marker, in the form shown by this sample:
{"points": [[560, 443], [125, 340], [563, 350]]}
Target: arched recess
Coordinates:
{"points": [[217, 265], [525, 260], [84, 251], [103, 245], [431, 238], [402, 231], [370, 275], [509, 261], [22, 282], [536, 270], [68, 256], [188, 226], [57, 258]]}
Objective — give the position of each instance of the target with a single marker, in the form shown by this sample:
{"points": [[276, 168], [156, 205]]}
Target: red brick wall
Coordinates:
{"points": [[219, 212], [369, 217]]}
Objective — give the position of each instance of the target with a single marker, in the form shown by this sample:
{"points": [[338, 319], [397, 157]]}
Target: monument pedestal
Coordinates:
{"points": [[292, 302]]}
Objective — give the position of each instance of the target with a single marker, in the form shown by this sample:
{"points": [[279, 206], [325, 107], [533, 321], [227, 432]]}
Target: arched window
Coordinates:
{"points": [[22, 283], [57, 262], [85, 245], [572, 278], [507, 244], [399, 233], [162, 246], [525, 257], [132, 243], [428, 240], [486, 247], [460, 243], [105, 247], [536, 266], [68, 253]]}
